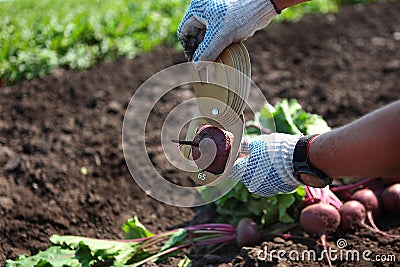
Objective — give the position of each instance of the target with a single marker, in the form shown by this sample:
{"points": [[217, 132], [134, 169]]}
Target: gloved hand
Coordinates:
{"points": [[209, 26], [265, 164]]}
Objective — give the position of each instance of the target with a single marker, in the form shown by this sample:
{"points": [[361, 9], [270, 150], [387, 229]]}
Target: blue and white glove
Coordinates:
{"points": [[209, 26], [265, 164]]}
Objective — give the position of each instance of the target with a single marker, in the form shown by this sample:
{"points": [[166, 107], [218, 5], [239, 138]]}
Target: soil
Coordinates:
{"points": [[341, 66]]}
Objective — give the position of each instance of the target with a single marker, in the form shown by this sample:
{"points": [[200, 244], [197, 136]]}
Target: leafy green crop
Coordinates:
{"points": [[39, 35], [288, 117], [77, 251], [140, 247], [295, 13]]}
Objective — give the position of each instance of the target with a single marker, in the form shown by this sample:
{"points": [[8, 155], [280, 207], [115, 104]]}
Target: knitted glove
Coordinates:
{"points": [[209, 26], [265, 164]]}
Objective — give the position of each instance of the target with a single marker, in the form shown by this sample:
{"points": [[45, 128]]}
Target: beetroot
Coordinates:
{"points": [[371, 203], [369, 199], [353, 215], [391, 199], [321, 219], [247, 233], [210, 148]]}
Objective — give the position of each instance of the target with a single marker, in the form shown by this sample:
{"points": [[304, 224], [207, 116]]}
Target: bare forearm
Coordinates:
{"points": [[370, 146], [282, 4]]}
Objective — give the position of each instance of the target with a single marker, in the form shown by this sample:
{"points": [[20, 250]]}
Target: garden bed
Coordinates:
{"points": [[60, 135]]}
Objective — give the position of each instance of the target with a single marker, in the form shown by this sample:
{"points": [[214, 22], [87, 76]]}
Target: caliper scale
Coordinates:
{"points": [[221, 89]]}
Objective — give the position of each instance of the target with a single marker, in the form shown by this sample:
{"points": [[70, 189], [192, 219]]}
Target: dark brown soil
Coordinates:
{"points": [[338, 65]]}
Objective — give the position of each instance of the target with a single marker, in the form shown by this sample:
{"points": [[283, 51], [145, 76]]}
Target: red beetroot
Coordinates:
{"points": [[353, 215], [321, 219], [210, 148], [391, 199], [247, 233], [369, 199], [371, 203]]}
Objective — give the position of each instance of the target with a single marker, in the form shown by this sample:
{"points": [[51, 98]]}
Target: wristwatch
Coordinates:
{"points": [[303, 170]]}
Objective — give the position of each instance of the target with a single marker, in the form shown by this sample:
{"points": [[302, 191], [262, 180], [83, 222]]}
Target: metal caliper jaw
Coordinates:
{"points": [[222, 89]]}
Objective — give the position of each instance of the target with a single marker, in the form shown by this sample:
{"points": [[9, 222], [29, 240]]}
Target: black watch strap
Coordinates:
{"points": [[300, 157], [302, 165]]}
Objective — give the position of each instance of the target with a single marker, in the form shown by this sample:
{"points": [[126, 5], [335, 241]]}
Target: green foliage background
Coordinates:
{"points": [[37, 36]]}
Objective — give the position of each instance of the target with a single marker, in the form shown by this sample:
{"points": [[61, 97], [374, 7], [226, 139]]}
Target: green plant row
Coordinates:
{"points": [[38, 36]]}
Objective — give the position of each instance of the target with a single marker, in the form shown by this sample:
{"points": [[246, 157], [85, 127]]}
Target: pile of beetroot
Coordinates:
{"points": [[323, 213], [356, 207]]}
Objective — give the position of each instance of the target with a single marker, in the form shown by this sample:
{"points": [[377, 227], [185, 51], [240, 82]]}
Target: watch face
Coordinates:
{"points": [[312, 180]]}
